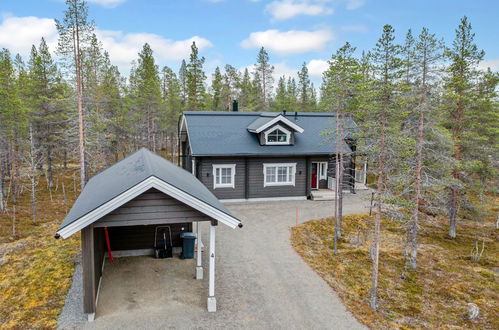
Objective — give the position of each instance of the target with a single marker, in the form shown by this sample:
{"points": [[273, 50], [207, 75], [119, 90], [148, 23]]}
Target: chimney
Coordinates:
{"points": [[235, 106], [284, 112], [296, 115]]}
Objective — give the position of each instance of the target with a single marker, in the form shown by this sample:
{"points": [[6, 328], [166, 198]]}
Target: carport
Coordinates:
{"points": [[125, 203]]}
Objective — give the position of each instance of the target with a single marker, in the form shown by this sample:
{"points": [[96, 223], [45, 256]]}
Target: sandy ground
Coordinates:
{"points": [[261, 282]]}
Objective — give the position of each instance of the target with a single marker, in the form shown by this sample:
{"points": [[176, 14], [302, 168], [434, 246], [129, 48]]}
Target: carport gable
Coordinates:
{"points": [[132, 177]]}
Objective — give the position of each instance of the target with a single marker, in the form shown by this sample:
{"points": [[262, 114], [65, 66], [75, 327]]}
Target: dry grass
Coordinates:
{"points": [[434, 296], [36, 269]]}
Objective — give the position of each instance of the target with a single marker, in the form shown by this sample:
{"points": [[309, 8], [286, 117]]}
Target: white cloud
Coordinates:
{"points": [[317, 67], [18, 34], [107, 3], [493, 64], [289, 42], [354, 4], [282, 69], [123, 47], [286, 9]]}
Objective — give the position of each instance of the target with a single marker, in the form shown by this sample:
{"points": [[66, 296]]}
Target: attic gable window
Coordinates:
{"points": [[277, 135]]}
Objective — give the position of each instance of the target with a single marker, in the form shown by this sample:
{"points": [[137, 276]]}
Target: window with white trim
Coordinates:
{"points": [[277, 135], [223, 175], [323, 171], [279, 174]]}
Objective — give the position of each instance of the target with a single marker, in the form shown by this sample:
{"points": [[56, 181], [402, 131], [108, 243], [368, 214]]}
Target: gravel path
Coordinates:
{"points": [[261, 281]]}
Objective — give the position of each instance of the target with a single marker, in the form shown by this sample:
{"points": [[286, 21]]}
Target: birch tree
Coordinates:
{"points": [[75, 31]]}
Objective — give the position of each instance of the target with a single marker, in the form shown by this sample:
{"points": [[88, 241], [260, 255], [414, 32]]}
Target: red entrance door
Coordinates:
{"points": [[314, 176]]}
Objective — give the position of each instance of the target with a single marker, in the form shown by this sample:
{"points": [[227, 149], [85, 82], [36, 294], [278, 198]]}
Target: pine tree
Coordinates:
{"points": [[114, 113], [217, 90], [381, 128], [340, 91], [182, 78], [195, 80], [305, 90], [460, 94], [147, 96], [246, 97], [263, 79], [281, 95], [46, 113], [422, 70], [231, 85], [12, 124], [292, 95], [74, 33]]}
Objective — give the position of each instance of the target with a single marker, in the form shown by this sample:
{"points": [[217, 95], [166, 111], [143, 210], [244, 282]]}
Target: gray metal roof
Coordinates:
{"points": [[258, 122], [129, 172], [217, 133]]}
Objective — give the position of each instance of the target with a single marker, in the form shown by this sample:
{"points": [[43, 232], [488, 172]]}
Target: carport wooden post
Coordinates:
{"points": [[88, 265], [212, 301], [199, 263]]}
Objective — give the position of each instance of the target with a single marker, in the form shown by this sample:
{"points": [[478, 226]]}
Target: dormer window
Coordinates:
{"points": [[277, 135]]}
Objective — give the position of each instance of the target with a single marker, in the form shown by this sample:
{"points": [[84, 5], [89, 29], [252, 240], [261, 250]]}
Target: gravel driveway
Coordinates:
{"points": [[261, 282]]}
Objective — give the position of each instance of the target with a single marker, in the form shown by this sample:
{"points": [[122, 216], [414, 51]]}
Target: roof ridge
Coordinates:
{"points": [[147, 161]]}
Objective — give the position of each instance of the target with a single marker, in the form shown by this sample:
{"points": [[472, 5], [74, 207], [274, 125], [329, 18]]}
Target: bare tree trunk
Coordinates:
{"points": [[377, 219], [454, 204], [341, 170], [417, 191], [50, 174], [65, 198], [79, 102], [32, 155], [454, 193], [14, 220], [2, 178]]}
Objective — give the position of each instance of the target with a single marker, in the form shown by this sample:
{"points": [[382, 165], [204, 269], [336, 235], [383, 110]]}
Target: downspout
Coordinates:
{"points": [[178, 139]]}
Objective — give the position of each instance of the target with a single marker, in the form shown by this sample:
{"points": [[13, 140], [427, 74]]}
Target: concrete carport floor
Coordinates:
{"points": [[261, 283]]}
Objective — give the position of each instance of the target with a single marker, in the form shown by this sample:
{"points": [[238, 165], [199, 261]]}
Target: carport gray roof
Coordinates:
{"points": [[129, 172], [217, 133]]}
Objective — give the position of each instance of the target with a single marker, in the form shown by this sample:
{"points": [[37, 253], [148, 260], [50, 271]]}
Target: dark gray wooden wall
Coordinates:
{"points": [[256, 188], [142, 237], [152, 207], [249, 173], [205, 175], [254, 168]]}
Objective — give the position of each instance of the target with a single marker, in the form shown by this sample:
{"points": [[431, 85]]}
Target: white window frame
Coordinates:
{"points": [[322, 169], [276, 165], [232, 167], [278, 127]]}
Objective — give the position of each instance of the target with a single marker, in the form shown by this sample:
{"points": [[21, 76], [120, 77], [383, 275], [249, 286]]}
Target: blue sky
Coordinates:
{"points": [[231, 31]]}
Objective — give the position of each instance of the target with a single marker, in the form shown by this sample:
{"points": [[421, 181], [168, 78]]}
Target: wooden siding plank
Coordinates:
{"points": [[121, 223], [142, 237]]}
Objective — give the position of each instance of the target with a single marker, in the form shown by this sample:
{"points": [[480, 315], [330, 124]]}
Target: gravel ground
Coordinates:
{"points": [[261, 282], [72, 314]]}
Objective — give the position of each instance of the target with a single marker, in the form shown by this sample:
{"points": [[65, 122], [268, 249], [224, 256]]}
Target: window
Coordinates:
{"points": [[277, 135], [223, 176], [279, 174], [323, 171]]}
